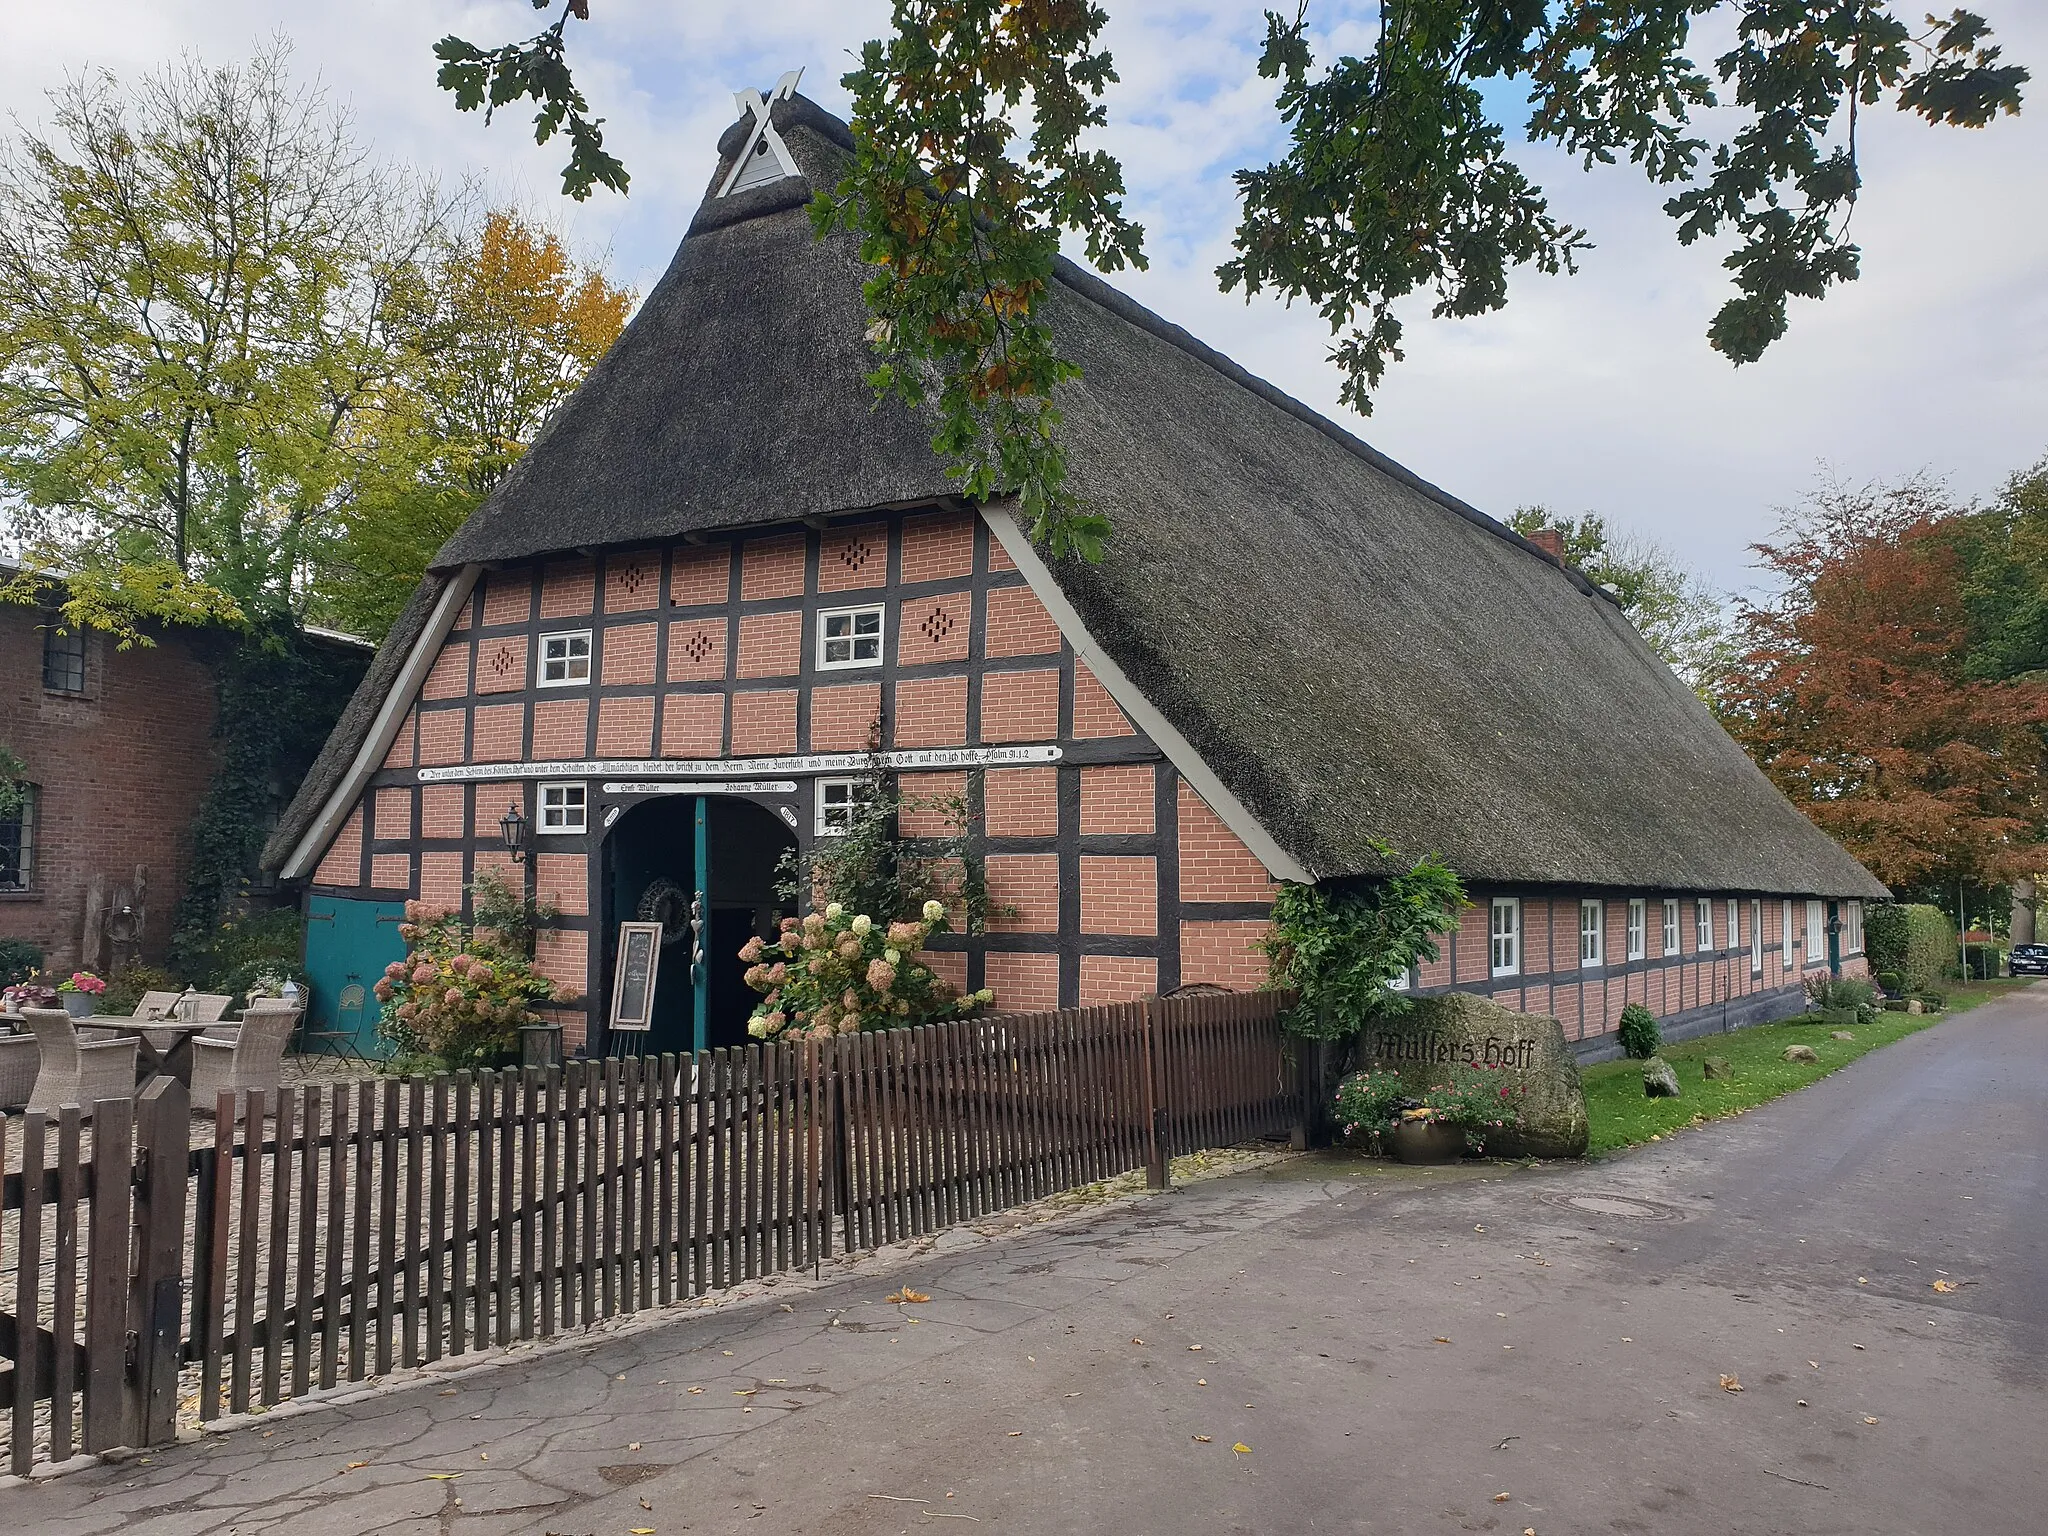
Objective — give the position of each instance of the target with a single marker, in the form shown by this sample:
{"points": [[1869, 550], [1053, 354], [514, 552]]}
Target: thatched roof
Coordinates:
{"points": [[1357, 655]]}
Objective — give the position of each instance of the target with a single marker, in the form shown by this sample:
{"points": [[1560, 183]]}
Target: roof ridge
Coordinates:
{"points": [[1092, 287]]}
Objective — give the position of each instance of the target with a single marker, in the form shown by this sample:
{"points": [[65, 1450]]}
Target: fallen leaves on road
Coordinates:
{"points": [[1242, 1449], [633, 1445], [1194, 1346], [1439, 1339], [642, 1530], [442, 1477], [1203, 1439], [1943, 1286], [1868, 1420], [1730, 1384], [1137, 1341], [907, 1294], [694, 1391], [352, 1466], [647, 1506], [1500, 1498]]}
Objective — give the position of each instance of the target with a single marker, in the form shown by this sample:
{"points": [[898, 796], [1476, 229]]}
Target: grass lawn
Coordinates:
{"points": [[1622, 1116]]}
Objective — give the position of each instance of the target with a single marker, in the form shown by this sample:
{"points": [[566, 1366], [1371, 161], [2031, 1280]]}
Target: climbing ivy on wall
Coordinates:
{"points": [[279, 695]]}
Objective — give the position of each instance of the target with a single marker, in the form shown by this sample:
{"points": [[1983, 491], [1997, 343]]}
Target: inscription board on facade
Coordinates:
{"points": [[633, 980], [686, 787], [740, 767]]}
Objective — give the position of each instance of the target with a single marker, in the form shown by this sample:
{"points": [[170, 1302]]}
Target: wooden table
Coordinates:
{"points": [[173, 1059]]}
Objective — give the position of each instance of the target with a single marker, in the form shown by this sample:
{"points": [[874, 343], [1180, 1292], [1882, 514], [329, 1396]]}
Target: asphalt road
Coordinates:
{"points": [[1326, 1347]]}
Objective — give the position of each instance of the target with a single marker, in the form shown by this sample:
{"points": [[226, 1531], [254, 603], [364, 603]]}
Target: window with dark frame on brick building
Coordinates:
{"points": [[18, 840], [64, 660]]}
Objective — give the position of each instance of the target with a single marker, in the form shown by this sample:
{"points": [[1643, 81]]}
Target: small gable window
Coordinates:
{"points": [[850, 637], [1638, 928], [1592, 933], [1507, 936], [564, 808], [64, 660], [840, 802], [1670, 925], [565, 659]]}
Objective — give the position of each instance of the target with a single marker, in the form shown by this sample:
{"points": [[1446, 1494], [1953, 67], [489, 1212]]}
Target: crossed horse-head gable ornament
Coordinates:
{"points": [[764, 157]]}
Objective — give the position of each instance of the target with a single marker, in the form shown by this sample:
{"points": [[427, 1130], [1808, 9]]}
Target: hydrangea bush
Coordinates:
{"points": [[837, 972], [460, 994]]}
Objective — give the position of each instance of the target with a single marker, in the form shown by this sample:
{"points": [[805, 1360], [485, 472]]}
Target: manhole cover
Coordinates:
{"points": [[1614, 1205]]}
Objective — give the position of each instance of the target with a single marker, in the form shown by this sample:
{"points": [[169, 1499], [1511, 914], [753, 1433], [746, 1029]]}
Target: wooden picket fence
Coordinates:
{"points": [[347, 1229]]}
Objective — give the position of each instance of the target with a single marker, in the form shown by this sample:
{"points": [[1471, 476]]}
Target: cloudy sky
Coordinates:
{"points": [[1594, 392]]}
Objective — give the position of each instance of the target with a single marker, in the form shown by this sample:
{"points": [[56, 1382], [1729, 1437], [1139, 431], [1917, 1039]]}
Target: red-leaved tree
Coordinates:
{"points": [[1851, 691]]}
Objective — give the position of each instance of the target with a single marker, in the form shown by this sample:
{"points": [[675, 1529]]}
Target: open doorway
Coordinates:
{"points": [[651, 874]]}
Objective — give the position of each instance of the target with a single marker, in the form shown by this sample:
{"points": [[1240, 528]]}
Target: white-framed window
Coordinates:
{"points": [[1670, 925], [850, 637], [565, 659], [1816, 932], [1702, 924], [1638, 928], [1756, 937], [1402, 982], [1734, 923], [1785, 935], [1852, 927], [564, 809], [1505, 945], [839, 802], [18, 840], [1592, 933]]}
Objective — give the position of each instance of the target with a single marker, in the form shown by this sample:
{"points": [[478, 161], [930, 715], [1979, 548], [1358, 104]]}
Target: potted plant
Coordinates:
{"points": [[32, 993], [1440, 1124], [80, 993]]}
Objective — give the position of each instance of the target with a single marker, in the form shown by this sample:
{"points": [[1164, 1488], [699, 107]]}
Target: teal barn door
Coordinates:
{"points": [[348, 944]]}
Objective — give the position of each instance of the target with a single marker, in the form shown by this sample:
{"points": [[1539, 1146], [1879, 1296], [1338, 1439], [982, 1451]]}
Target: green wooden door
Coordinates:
{"points": [[348, 944]]}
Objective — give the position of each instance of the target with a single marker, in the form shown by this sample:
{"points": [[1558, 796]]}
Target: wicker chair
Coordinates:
{"points": [[155, 1005], [19, 1059], [252, 1061], [75, 1071], [209, 1007]]}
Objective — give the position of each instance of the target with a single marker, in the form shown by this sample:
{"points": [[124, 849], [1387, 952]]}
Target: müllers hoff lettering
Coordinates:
{"points": [[1434, 1050]]}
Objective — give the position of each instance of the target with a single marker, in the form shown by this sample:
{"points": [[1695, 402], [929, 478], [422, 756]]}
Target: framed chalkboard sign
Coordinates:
{"points": [[633, 981]]}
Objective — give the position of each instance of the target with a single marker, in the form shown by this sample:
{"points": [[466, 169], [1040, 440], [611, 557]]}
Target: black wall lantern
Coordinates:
{"points": [[512, 828]]}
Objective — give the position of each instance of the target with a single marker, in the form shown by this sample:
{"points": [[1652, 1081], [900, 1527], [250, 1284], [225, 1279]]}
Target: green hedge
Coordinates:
{"points": [[1918, 942]]}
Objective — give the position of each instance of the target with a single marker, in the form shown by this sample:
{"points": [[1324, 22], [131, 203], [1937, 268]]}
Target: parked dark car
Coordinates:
{"points": [[2030, 960]]}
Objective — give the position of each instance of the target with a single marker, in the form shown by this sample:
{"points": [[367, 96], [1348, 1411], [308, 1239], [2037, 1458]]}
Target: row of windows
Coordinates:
{"points": [[565, 810], [1505, 931], [847, 637]]}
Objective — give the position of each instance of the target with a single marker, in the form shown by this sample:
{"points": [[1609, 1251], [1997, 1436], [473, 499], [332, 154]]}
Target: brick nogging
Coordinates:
{"points": [[1117, 880]]}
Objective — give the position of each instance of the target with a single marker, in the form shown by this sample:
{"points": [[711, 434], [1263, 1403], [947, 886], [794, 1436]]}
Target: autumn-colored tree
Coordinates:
{"points": [[511, 323], [1854, 691]]}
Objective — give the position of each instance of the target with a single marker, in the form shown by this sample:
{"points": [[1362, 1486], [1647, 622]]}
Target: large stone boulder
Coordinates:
{"points": [[1457, 1028], [1659, 1081]]}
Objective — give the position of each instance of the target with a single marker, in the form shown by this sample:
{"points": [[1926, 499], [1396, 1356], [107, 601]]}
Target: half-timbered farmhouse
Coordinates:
{"points": [[662, 644]]}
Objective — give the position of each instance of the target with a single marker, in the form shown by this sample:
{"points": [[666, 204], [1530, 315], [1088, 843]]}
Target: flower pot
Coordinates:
{"points": [[77, 1004], [1427, 1141]]}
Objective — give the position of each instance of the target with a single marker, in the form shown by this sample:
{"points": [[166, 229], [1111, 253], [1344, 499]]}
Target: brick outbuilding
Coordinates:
{"points": [[665, 640]]}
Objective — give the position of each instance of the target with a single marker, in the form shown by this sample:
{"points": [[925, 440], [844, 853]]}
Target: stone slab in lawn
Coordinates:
{"points": [[1460, 1029]]}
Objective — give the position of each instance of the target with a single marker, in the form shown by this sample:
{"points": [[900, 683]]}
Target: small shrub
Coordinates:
{"points": [[1640, 1036], [837, 972], [460, 994], [19, 960], [1482, 1099], [1891, 982], [1932, 1000], [126, 986], [1844, 1000], [1368, 1101]]}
